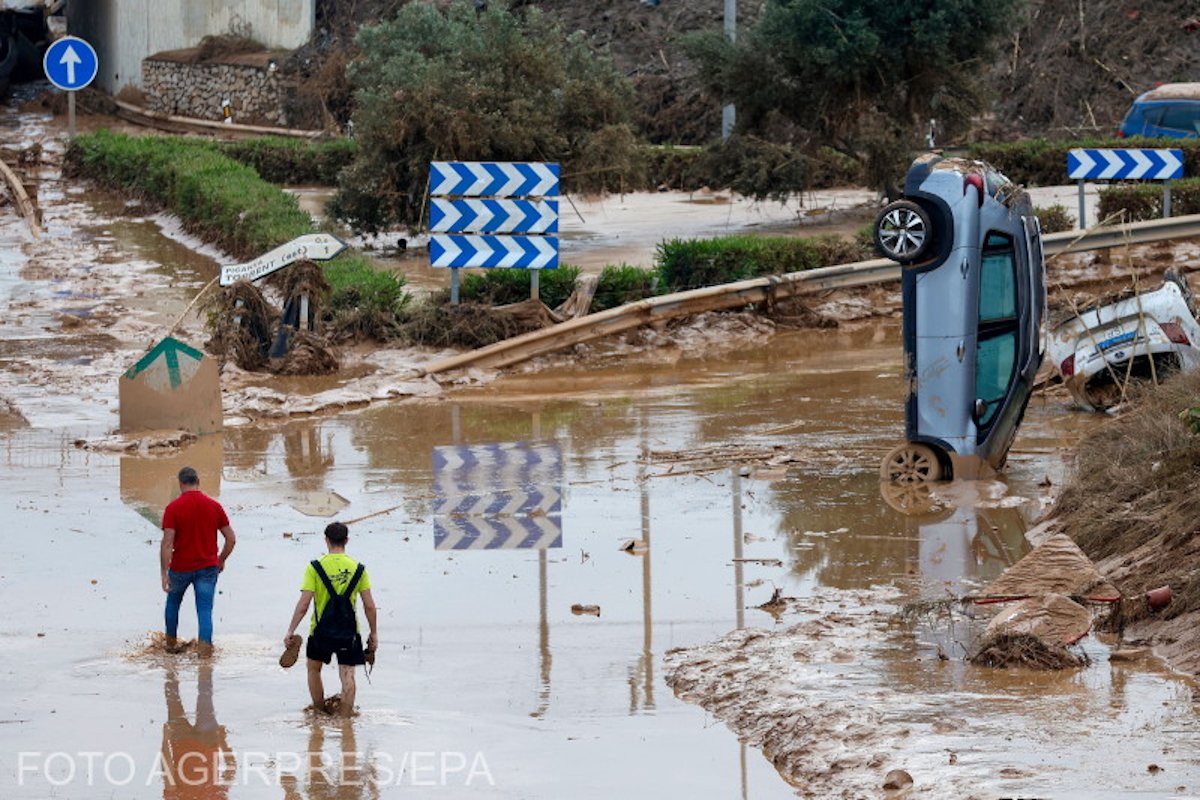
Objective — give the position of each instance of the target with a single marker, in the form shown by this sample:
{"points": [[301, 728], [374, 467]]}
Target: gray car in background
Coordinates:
{"points": [[974, 296]]}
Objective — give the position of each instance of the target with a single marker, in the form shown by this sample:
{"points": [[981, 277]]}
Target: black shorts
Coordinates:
{"points": [[352, 656]]}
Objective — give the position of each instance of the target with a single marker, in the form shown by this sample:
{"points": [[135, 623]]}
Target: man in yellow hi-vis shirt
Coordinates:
{"points": [[335, 580]]}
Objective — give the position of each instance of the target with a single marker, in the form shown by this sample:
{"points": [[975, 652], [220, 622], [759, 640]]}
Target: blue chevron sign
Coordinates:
{"points": [[492, 179], [494, 216], [497, 496], [1125, 164], [520, 252]]}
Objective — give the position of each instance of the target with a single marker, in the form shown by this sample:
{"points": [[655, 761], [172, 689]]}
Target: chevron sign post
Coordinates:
{"points": [[1124, 164], [497, 496], [514, 231]]}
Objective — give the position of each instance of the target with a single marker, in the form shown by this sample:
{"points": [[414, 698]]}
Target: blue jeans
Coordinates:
{"points": [[204, 586]]}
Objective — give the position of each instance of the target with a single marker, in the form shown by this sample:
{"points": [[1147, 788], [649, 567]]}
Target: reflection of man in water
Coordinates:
{"points": [[333, 776], [337, 572], [196, 760], [188, 555]]}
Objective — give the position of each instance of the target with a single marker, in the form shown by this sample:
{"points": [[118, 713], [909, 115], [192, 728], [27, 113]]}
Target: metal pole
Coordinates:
{"points": [[304, 312], [739, 578], [71, 114], [454, 286], [1082, 207], [647, 591], [535, 284], [728, 113], [1166, 201]]}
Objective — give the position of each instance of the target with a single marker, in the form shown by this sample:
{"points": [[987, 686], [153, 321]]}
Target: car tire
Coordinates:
{"points": [[911, 463], [903, 232]]}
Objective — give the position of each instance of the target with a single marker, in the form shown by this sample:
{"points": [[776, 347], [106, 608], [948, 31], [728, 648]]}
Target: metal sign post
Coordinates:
{"points": [[70, 64], [471, 231], [1124, 164]]}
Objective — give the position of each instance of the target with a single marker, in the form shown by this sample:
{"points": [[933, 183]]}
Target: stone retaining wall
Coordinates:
{"points": [[176, 85]]}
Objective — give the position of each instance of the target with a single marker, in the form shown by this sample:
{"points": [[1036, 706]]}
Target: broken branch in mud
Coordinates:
{"points": [[24, 204]]}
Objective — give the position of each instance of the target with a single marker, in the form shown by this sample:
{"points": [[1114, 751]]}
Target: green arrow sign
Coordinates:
{"points": [[169, 349]]}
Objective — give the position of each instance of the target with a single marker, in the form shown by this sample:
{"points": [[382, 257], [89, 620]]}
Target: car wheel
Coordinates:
{"points": [[911, 463], [903, 232]]}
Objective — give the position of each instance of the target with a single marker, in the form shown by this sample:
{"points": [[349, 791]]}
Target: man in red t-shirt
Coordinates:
{"points": [[188, 554]]}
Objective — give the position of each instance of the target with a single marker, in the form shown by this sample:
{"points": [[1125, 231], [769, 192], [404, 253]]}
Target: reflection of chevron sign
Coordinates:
{"points": [[521, 252], [497, 496], [1125, 164], [484, 533], [494, 216], [492, 179]]}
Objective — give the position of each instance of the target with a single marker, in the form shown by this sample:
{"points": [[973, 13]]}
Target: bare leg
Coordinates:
{"points": [[348, 689], [316, 689]]}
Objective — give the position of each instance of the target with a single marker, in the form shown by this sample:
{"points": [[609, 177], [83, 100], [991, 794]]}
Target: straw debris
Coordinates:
{"points": [[247, 342], [1026, 650]]}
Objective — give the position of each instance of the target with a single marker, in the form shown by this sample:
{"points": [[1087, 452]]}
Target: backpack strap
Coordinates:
{"points": [[358, 573], [320, 570]]}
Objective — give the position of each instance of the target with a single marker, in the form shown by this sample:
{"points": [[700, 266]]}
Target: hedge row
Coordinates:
{"points": [[224, 202], [280, 160], [1040, 162], [1141, 201], [694, 263]]}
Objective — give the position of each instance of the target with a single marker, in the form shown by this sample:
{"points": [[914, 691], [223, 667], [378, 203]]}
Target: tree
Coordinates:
{"points": [[863, 76], [453, 84]]}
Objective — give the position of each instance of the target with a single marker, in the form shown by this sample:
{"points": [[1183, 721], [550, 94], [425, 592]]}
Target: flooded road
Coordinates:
{"points": [[488, 684], [523, 657]]}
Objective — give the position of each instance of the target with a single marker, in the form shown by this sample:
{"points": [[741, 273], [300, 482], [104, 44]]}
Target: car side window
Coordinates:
{"points": [[996, 351], [1153, 115], [1180, 117], [997, 280]]}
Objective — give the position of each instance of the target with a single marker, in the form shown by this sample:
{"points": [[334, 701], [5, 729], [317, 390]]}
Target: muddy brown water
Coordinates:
{"points": [[487, 684], [483, 663]]}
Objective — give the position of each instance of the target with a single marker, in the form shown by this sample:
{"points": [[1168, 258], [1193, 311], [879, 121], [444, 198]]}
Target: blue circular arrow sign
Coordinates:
{"points": [[70, 63]]}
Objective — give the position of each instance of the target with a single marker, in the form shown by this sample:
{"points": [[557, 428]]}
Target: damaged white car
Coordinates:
{"points": [[1098, 349]]}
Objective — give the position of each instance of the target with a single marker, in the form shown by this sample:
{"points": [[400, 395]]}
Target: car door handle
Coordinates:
{"points": [[962, 350]]}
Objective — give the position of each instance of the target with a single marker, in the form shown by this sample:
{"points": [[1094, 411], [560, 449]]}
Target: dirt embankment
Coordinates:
{"points": [[1073, 68], [1132, 506]]}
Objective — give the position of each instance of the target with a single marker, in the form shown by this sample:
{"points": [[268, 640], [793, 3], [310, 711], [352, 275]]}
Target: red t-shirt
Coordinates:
{"points": [[195, 518]]}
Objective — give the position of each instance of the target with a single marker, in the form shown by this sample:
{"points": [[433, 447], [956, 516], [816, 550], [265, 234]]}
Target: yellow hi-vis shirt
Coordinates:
{"points": [[340, 569]]}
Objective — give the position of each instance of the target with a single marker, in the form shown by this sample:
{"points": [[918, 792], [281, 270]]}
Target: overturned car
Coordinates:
{"points": [[973, 285], [1098, 349]]}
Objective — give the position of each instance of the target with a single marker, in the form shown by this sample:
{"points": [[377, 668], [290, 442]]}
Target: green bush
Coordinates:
{"points": [[281, 160], [499, 287], [226, 203], [1142, 201], [693, 263], [1041, 162], [439, 81], [622, 283], [1055, 218]]}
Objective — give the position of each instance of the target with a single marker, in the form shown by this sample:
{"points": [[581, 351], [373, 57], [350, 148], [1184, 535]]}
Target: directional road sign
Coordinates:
{"points": [[494, 216], [497, 496], [70, 63], [492, 179], [1125, 164], [311, 246], [172, 387], [521, 252]]}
